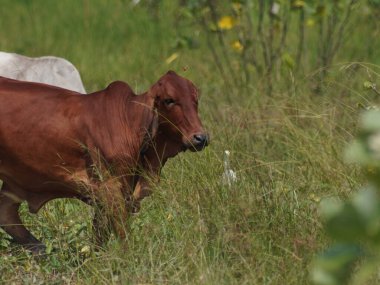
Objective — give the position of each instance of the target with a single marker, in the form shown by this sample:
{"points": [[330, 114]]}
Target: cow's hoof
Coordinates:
{"points": [[36, 249], [136, 208]]}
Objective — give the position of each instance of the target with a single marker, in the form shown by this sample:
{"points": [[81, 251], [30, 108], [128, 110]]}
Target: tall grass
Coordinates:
{"points": [[286, 149]]}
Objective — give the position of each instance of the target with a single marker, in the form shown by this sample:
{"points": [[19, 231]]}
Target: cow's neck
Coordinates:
{"points": [[159, 152], [121, 120]]}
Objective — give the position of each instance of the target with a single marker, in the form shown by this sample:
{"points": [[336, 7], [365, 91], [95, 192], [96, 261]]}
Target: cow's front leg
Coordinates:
{"points": [[150, 165], [143, 189], [11, 223], [110, 212], [145, 183]]}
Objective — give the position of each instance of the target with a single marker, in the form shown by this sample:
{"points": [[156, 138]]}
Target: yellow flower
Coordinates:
{"points": [[172, 58], [298, 4], [226, 23], [236, 45], [310, 22]]}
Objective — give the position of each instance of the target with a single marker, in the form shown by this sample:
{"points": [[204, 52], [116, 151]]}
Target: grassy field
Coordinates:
{"points": [[287, 149]]}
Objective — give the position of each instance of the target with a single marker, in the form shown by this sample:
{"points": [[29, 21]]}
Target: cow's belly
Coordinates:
{"points": [[23, 183]]}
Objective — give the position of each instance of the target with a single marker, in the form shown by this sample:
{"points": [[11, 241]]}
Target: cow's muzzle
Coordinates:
{"points": [[198, 142]]}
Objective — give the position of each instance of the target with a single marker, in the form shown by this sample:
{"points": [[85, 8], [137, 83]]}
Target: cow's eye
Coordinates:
{"points": [[169, 102]]}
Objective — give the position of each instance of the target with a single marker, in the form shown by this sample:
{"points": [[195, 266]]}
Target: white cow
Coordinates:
{"points": [[47, 69]]}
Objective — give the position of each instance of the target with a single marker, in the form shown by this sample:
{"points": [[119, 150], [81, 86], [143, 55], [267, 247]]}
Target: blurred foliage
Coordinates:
{"points": [[355, 225], [375, 3]]}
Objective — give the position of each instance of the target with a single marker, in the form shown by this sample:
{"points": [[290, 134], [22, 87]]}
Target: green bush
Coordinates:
{"points": [[355, 225]]}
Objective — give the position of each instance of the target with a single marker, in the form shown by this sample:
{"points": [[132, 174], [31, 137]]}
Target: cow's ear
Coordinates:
{"points": [[153, 118], [153, 124], [155, 95], [171, 72]]}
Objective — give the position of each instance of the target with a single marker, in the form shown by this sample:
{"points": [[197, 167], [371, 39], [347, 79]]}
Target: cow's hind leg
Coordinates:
{"points": [[101, 225], [110, 213], [11, 223]]}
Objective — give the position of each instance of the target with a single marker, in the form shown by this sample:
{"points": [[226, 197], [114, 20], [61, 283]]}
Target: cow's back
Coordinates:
{"points": [[40, 132], [46, 132]]}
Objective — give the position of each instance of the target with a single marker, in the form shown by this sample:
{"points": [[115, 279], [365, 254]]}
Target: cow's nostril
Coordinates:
{"points": [[197, 142], [200, 139]]}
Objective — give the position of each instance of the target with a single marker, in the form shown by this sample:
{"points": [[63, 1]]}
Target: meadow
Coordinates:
{"points": [[286, 148]]}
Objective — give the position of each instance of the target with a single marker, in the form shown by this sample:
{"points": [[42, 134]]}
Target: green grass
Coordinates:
{"points": [[287, 150]]}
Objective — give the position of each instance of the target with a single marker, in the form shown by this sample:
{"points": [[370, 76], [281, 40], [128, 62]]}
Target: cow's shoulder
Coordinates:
{"points": [[119, 87]]}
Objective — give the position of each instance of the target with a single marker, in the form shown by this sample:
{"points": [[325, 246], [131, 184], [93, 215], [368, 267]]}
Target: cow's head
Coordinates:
{"points": [[176, 102]]}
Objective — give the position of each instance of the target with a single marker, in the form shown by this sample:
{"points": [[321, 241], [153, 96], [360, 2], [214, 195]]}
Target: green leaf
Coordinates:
{"points": [[330, 207], [366, 203], [370, 121], [288, 60], [368, 85], [323, 277], [342, 221], [334, 266], [49, 247], [356, 152]]}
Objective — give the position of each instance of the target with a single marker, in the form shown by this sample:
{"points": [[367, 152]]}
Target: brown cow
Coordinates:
{"points": [[55, 144]]}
